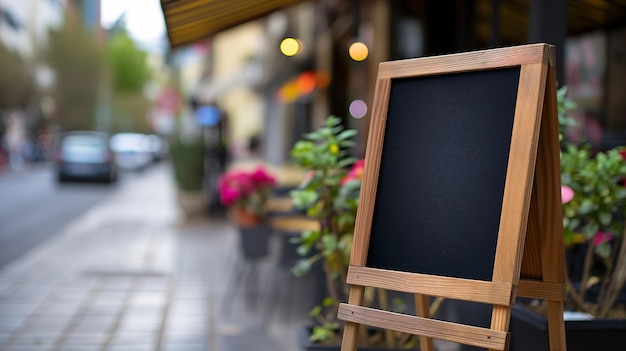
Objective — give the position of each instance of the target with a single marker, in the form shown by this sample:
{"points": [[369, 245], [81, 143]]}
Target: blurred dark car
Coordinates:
{"points": [[85, 155]]}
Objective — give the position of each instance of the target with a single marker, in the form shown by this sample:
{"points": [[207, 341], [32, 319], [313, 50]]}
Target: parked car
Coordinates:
{"points": [[85, 155], [132, 151], [158, 147]]}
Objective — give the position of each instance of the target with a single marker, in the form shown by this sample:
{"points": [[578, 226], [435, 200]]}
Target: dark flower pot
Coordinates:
{"points": [[529, 331], [254, 241], [307, 345]]}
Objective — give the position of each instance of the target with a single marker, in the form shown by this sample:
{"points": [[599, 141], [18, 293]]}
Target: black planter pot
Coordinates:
{"points": [[529, 331], [254, 241], [307, 345]]}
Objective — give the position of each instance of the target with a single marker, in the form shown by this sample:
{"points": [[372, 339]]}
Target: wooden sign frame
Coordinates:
{"points": [[529, 258]]}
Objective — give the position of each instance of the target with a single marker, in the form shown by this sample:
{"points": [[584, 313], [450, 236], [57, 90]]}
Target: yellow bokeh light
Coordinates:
{"points": [[290, 47], [358, 51]]}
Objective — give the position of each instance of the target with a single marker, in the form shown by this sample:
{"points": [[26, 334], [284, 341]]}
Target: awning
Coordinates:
{"points": [[188, 21]]}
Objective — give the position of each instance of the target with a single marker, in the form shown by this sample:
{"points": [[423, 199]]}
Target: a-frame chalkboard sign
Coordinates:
{"points": [[461, 194]]}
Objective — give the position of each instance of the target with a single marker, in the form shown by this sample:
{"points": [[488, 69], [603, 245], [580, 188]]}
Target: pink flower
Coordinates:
{"points": [[567, 194], [229, 196], [244, 188], [356, 172], [601, 238], [261, 177]]}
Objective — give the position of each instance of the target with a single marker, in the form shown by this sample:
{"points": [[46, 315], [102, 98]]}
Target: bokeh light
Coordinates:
{"points": [[323, 79], [306, 82], [290, 46], [358, 108], [358, 51]]}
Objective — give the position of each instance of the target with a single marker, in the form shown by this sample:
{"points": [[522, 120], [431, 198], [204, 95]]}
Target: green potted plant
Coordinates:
{"points": [[187, 160], [594, 201], [246, 194], [330, 194]]}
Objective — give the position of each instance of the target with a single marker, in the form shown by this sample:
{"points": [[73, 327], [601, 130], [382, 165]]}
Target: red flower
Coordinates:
{"points": [[356, 172]]}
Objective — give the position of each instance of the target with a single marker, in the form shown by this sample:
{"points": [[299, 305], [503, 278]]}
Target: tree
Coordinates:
{"points": [[129, 74], [16, 80], [73, 53]]}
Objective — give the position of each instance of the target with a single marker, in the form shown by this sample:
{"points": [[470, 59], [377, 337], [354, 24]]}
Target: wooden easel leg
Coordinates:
{"points": [[422, 306], [351, 330], [500, 319], [556, 327], [553, 251]]}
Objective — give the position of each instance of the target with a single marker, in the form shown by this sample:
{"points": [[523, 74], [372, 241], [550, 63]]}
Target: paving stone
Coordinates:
{"points": [[185, 338], [148, 298], [36, 339], [16, 307], [61, 309], [94, 327], [28, 348], [139, 327], [84, 339], [135, 347], [184, 347], [80, 348], [127, 338]]}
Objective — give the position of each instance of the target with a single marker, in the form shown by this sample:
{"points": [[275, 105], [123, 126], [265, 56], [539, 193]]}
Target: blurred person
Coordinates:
{"points": [[15, 139]]}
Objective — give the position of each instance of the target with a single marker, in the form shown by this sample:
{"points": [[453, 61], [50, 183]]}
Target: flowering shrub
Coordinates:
{"points": [[593, 221], [330, 193], [246, 189], [594, 201]]}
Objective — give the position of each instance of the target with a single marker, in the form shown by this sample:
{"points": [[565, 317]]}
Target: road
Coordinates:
{"points": [[33, 207]]}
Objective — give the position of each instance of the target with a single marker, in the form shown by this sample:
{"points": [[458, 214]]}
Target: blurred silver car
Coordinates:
{"points": [[85, 155], [132, 151]]}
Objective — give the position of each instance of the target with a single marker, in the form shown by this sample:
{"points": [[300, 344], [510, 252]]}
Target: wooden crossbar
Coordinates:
{"points": [[436, 329], [417, 283], [541, 290]]}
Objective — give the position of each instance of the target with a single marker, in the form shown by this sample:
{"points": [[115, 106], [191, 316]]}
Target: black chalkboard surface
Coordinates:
{"points": [[442, 173]]}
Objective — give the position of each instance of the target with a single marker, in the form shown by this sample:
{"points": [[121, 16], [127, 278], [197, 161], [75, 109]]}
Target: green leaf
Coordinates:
{"points": [[303, 198], [303, 250], [328, 302], [329, 241], [346, 162], [301, 268], [586, 206], [605, 218], [321, 334], [316, 311], [591, 230], [347, 134], [603, 250], [347, 144]]}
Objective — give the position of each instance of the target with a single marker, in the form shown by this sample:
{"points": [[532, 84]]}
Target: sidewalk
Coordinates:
{"points": [[129, 275]]}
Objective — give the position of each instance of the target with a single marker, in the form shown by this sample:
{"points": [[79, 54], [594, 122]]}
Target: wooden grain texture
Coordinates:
{"points": [[519, 184], [531, 260], [351, 329], [373, 154], [549, 187], [548, 178], [520, 171], [417, 283], [459, 333], [422, 307], [463, 62], [541, 290]]}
